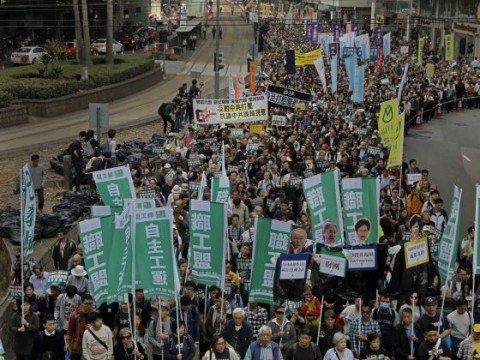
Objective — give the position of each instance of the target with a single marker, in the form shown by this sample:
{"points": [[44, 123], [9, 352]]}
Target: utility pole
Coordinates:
{"points": [[410, 10], [217, 51]]}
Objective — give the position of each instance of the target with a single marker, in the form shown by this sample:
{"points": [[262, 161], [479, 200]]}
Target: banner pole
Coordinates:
{"points": [[413, 322], [178, 322], [221, 312], [320, 322], [132, 219], [160, 322], [282, 326], [443, 305], [205, 304], [22, 250]]}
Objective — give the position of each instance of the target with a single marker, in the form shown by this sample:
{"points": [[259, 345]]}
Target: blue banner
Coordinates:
{"points": [[350, 61], [334, 72], [336, 32], [359, 84], [402, 83], [373, 54]]}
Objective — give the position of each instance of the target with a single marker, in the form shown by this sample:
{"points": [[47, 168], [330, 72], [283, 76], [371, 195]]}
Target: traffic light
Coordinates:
{"points": [[217, 62]]}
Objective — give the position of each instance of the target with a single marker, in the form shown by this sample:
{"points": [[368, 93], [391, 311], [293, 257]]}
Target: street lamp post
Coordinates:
{"points": [[217, 51]]}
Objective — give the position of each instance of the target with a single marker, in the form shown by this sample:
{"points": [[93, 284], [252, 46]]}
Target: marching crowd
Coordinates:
{"points": [[391, 313]]}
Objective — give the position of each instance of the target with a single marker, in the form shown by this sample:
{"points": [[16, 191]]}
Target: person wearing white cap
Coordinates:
{"points": [[78, 279]]}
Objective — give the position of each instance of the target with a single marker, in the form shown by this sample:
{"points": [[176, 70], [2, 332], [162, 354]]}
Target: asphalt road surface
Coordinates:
{"points": [[142, 107], [450, 149]]}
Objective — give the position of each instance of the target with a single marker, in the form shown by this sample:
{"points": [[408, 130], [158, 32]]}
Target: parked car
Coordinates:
{"points": [[101, 46], [71, 50], [27, 55]]}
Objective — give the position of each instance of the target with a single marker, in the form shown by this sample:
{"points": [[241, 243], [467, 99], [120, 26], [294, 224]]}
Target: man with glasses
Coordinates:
{"points": [[361, 328], [283, 331], [77, 325]]}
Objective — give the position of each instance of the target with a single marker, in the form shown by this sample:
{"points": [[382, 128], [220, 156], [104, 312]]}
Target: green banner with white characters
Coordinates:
{"points": [[447, 252], [208, 228], [114, 185], [476, 250], [322, 193], [96, 256], [28, 211], [361, 210], [220, 190], [272, 238], [156, 271]]}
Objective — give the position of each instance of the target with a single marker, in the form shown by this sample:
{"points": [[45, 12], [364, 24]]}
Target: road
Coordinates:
{"points": [[142, 107], [449, 148]]}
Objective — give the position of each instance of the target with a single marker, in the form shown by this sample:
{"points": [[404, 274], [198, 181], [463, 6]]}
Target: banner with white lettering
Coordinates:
{"points": [[322, 192], [220, 190], [272, 238], [332, 263], [362, 258], [28, 211], [283, 97], [476, 252], [361, 210], [416, 252], [114, 185], [228, 111], [290, 276], [208, 228]]}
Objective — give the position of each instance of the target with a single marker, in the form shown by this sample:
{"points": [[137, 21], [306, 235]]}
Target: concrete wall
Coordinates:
{"points": [[13, 115], [80, 101]]}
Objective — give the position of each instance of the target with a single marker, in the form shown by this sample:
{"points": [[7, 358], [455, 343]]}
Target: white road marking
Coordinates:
{"points": [[466, 158]]}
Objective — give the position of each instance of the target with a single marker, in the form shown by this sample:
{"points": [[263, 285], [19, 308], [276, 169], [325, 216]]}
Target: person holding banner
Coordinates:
{"points": [[283, 331], [433, 347], [405, 341], [128, 349], [309, 312], [24, 325], [180, 345]]}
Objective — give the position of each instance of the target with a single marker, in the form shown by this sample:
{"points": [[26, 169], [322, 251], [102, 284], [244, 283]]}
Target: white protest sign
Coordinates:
{"points": [[416, 252], [293, 269], [332, 265], [413, 178], [362, 258], [279, 120]]}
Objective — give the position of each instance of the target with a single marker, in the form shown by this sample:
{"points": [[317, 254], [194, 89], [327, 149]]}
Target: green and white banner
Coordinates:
{"points": [[220, 190], [114, 185], [28, 211], [96, 256], [476, 252], [208, 229], [272, 238], [322, 192], [447, 252], [156, 271], [361, 210]]}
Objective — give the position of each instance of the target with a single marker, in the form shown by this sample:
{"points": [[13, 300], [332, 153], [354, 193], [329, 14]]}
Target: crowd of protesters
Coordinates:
{"points": [[365, 315]]}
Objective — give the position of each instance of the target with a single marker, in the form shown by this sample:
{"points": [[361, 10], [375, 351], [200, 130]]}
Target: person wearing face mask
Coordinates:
{"points": [[387, 319]]}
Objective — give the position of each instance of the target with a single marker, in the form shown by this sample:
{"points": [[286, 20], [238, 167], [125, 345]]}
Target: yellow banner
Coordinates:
{"points": [[421, 45], [416, 252], [302, 59], [429, 70], [396, 151], [449, 47], [256, 128], [387, 121]]}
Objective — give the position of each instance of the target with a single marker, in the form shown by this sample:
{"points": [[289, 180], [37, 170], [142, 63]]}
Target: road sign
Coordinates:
{"points": [[98, 115]]}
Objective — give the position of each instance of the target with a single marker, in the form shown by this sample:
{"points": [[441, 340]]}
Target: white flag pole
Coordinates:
{"points": [[320, 322], [22, 250], [475, 250], [413, 328], [133, 225]]}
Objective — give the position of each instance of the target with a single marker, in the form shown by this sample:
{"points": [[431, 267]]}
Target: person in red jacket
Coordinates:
{"points": [[77, 325], [310, 309]]}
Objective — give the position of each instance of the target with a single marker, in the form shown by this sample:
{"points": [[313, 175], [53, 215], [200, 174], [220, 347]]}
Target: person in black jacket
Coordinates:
{"points": [[180, 343], [403, 335], [48, 340], [165, 111], [127, 349], [239, 339]]}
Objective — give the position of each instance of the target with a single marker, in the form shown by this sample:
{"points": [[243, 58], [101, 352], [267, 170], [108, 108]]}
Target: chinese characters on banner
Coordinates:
{"points": [[421, 45], [447, 252], [28, 211], [208, 228], [416, 252], [154, 245], [303, 59], [114, 185], [449, 47], [387, 121], [228, 111], [332, 263], [284, 97], [96, 257], [476, 252], [322, 192], [396, 151], [272, 238], [361, 211], [220, 190]]}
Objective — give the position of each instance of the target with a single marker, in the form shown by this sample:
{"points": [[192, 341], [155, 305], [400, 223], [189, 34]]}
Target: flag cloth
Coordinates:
{"points": [[96, 256], [156, 270], [449, 47], [231, 87], [361, 210], [396, 151], [421, 45], [476, 250], [334, 70], [220, 190], [290, 61], [387, 38], [363, 42], [350, 63], [28, 211], [114, 185], [447, 251], [208, 229], [315, 32], [402, 83], [358, 84], [387, 121], [322, 193], [320, 67], [272, 238]]}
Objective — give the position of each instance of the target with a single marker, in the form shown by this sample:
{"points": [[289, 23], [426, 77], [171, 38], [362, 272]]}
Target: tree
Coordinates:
{"points": [[109, 55], [87, 59], [50, 68], [78, 31]]}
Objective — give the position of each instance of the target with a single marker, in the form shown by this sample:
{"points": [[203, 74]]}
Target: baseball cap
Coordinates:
{"points": [[167, 166], [164, 304], [431, 301]]}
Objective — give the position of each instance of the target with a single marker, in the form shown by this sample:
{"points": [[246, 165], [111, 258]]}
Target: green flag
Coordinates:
{"points": [[155, 267], [114, 185], [322, 192], [208, 229], [476, 250], [447, 252], [272, 238], [361, 211], [95, 256], [28, 211], [220, 190]]}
